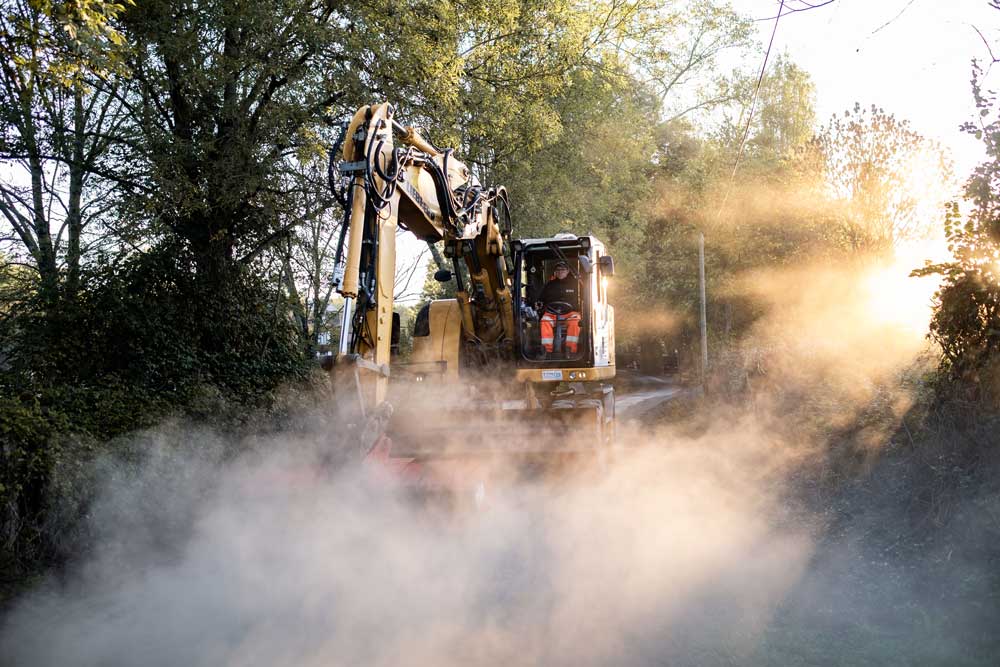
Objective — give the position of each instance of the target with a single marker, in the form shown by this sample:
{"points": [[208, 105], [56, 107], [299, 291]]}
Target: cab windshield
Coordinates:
{"points": [[552, 301]]}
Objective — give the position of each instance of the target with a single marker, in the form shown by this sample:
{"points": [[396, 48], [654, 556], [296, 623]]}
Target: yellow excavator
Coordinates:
{"points": [[480, 380]]}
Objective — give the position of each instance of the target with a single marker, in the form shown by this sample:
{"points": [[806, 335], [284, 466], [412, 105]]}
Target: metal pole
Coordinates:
{"points": [[345, 326], [704, 319]]}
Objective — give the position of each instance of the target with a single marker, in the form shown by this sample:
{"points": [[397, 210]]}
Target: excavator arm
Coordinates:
{"points": [[398, 179]]}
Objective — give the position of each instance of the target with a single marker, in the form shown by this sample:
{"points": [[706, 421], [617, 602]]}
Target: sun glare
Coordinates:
{"points": [[898, 300]]}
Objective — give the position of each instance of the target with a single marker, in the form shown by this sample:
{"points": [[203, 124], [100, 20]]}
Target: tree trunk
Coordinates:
{"points": [[295, 301], [45, 257], [74, 221]]}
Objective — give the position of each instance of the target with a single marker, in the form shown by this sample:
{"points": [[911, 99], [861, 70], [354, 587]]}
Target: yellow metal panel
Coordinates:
{"points": [[419, 207], [385, 278], [349, 286], [444, 340], [412, 138]]}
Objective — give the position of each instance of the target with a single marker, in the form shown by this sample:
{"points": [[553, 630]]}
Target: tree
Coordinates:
{"points": [[58, 122], [785, 116], [591, 179], [595, 172], [676, 50], [885, 170], [966, 321], [226, 94], [771, 210], [515, 80]]}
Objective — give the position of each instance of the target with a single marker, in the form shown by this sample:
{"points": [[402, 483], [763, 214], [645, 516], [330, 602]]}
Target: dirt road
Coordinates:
{"points": [[653, 392]]}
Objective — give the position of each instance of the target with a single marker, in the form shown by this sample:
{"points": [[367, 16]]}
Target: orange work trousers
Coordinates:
{"points": [[548, 327]]}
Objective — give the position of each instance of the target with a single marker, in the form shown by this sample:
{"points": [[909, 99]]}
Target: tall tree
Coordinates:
{"points": [[230, 92], [770, 210], [515, 74], [886, 171], [785, 117], [591, 179], [58, 124]]}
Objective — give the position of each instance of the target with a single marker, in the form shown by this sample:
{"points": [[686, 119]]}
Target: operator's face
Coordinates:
{"points": [[561, 272]]}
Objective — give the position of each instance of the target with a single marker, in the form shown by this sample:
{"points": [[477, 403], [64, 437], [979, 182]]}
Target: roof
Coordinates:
{"points": [[562, 239]]}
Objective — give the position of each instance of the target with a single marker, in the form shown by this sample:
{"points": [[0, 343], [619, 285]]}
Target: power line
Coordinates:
{"points": [[756, 92]]}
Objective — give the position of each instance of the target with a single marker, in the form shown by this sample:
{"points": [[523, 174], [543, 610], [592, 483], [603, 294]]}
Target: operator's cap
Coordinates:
{"points": [[561, 265]]}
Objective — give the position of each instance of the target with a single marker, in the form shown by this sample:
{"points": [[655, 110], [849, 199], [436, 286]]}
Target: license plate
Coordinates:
{"points": [[552, 375]]}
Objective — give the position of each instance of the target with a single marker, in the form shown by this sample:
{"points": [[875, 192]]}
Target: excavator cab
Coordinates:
{"points": [[560, 402], [588, 318]]}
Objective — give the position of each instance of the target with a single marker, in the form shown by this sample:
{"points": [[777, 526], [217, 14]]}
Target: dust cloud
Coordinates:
{"points": [[839, 340], [680, 551], [701, 547]]}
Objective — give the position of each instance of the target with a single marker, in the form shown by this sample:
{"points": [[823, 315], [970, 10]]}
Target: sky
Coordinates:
{"points": [[910, 57]]}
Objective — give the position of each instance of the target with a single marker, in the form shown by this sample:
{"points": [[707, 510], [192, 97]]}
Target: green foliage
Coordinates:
{"points": [[57, 126], [154, 330], [61, 41], [143, 340], [773, 205], [785, 116], [592, 178], [227, 94], [524, 59], [966, 322], [31, 436]]}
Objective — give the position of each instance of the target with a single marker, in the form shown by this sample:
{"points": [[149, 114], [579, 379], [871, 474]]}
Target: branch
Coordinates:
{"points": [[403, 283], [893, 18], [985, 43], [268, 241], [21, 224], [90, 168], [786, 12]]}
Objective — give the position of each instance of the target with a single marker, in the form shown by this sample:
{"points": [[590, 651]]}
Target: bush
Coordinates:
{"points": [[966, 320], [144, 338]]}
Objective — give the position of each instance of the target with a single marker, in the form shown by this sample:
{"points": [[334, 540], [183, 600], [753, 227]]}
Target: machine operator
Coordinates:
{"points": [[560, 302]]}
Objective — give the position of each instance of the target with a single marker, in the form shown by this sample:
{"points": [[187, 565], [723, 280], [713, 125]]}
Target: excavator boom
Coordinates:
{"points": [[435, 197]]}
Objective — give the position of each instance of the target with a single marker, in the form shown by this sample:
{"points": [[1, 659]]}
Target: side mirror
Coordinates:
{"points": [[443, 275], [586, 266], [607, 266]]}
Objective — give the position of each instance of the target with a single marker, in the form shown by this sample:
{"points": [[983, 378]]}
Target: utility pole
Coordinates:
{"points": [[704, 319]]}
